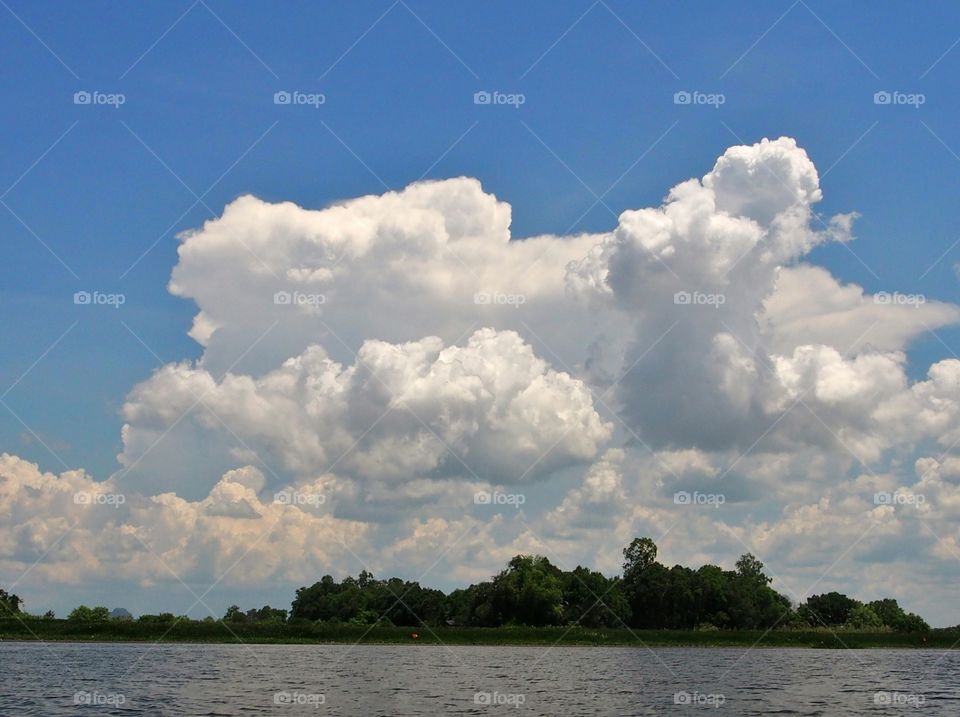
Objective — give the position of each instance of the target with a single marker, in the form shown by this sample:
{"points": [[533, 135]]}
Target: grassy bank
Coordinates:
{"points": [[218, 632]]}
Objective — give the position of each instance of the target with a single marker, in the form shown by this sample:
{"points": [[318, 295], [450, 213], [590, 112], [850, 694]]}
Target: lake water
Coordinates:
{"points": [[146, 679]]}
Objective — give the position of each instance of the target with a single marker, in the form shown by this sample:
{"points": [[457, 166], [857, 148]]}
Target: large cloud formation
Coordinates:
{"points": [[399, 412], [398, 353]]}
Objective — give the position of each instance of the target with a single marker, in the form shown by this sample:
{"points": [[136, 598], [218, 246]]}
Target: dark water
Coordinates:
{"points": [[144, 679]]}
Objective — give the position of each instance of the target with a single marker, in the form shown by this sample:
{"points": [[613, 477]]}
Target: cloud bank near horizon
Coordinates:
{"points": [[396, 354]]}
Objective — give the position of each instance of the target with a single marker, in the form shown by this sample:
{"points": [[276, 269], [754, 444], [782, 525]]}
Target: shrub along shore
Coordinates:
{"points": [[218, 631]]}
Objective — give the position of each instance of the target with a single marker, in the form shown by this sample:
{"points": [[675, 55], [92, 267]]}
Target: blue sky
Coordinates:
{"points": [[399, 100], [598, 98], [97, 193]]}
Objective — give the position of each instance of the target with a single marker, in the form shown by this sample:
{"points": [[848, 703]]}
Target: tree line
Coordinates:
{"points": [[532, 591], [648, 595]]}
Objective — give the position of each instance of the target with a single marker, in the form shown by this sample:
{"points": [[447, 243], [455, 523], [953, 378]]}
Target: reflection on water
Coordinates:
{"points": [[147, 679]]}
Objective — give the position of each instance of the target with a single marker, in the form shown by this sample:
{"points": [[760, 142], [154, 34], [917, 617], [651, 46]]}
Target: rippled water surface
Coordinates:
{"points": [[145, 679]]}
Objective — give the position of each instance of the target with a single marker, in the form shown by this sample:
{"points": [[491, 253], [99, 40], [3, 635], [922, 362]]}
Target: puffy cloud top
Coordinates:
{"points": [[489, 409], [764, 180]]}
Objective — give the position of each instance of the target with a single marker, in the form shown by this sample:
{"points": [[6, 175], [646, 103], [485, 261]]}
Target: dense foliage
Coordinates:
{"points": [[364, 600], [9, 604], [837, 610], [264, 614], [532, 592], [83, 613], [210, 630]]}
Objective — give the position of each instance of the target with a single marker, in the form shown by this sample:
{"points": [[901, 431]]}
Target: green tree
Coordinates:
{"points": [[888, 611], [751, 602], [234, 614], [648, 592], [831, 609], [912, 622], [317, 602], [894, 616], [750, 568], [713, 583], [473, 606], [82, 613], [591, 599], [398, 602], [368, 617], [9, 604], [638, 556], [528, 592], [863, 618], [645, 584], [265, 614]]}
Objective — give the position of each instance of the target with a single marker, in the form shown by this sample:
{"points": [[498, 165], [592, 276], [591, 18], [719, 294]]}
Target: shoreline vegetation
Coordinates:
{"points": [[218, 632], [530, 602]]}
